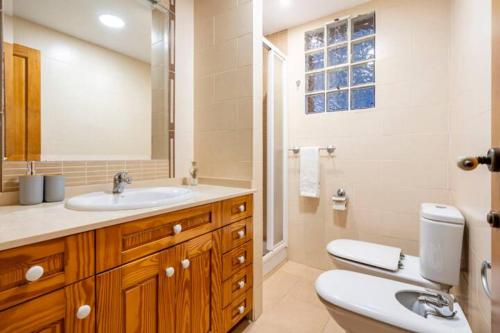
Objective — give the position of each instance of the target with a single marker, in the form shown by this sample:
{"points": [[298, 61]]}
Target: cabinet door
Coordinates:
{"points": [[140, 296], [199, 285], [70, 309]]}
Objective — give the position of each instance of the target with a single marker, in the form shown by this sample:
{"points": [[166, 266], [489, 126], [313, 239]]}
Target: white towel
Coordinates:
{"points": [[309, 172]]}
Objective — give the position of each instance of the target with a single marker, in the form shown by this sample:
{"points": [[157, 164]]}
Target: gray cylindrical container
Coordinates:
{"points": [[30, 190], [54, 188]]}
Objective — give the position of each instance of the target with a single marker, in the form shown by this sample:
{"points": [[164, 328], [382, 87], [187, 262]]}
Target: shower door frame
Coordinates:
{"points": [[277, 252]]}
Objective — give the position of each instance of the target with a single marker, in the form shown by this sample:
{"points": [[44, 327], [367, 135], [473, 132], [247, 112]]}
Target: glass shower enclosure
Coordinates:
{"points": [[275, 156]]}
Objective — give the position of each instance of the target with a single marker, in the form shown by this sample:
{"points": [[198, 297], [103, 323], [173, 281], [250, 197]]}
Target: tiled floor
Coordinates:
{"points": [[291, 304]]}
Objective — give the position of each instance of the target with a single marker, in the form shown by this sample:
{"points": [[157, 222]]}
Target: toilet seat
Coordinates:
{"points": [[385, 264], [374, 298]]}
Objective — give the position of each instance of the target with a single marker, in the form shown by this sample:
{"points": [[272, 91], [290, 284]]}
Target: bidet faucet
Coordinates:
{"points": [[120, 180], [439, 299], [442, 298]]}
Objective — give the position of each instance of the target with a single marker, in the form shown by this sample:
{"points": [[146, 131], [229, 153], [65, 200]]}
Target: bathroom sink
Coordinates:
{"points": [[129, 199]]}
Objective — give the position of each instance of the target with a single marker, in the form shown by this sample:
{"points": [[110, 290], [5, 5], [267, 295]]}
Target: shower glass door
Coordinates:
{"points": [[276, 148]]}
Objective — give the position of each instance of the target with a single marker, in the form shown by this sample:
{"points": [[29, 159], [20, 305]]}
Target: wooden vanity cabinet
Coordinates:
{"points": [[175, 290], [188, 271]]}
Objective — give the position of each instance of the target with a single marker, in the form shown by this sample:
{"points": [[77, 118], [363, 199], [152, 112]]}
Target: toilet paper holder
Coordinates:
{"points": [[340, 200]]}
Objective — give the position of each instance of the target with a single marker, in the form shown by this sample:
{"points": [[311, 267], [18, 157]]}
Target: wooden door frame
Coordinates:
{"points": [[495, 177]]}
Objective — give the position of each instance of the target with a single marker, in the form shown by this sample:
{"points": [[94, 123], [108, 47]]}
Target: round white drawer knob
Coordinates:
{"points": [[34, 273], [241, 309], [241, 259], [241, 208], [83, 311], [185, 263], [241, 284], [170, 271], [241, 234], [177, 229]]}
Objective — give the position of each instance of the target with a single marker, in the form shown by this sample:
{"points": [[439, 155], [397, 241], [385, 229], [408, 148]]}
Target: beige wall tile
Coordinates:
{"points": [[245, 48], [223, 90], [433, 90], [78, 173], [233, 23]]}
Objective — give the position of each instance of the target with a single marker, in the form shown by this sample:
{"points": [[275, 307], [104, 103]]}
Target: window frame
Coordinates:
{"points": [[349, 64]]}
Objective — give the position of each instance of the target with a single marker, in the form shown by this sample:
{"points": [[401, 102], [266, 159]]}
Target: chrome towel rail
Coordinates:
{"points": [[329, 149]]}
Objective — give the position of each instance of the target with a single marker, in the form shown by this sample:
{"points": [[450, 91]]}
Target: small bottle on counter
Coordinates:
{"points": [[193, 172]]}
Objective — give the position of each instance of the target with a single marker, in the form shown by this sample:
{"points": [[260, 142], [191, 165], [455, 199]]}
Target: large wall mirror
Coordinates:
{"points": [[88, 80]]}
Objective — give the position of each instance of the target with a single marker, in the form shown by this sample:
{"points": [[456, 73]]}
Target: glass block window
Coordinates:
{"points": [[337, 55], [363, 73], [338, 78], [315, 60], [363, 98], [337, 32], [363, 50], [363, 25], [315, 103], [340, 65], [315, 39], [338, 100], [315, 82]]}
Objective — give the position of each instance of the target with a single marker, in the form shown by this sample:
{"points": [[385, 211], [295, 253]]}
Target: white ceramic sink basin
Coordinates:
{"points": [[129, 199]]}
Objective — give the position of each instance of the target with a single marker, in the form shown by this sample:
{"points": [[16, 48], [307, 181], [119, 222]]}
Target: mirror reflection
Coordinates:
{"points": [[82, 81]]}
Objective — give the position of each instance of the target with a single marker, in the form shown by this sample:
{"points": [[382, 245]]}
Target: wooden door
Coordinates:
{"points": [[199, 298], [54, 312], [495, 177], [22, 103], [139, 296]]}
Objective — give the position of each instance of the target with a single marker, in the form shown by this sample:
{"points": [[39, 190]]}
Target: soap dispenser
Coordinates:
{"points": [[193, 172], [30, 186]]}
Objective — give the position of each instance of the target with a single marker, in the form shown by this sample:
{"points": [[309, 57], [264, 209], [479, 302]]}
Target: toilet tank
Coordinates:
{"points": [[441, 234]]}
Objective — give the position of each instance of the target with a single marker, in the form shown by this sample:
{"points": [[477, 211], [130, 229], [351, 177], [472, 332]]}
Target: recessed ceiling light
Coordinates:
{"points": [[112, 21], [285, 3]]}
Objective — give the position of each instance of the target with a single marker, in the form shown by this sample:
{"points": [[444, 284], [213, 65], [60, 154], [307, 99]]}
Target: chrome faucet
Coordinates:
{"points": [[441, 304], [119, 181]]}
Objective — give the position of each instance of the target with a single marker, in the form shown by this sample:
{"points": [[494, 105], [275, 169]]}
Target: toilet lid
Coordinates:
{"points": [[382, 256], [441, 213]]}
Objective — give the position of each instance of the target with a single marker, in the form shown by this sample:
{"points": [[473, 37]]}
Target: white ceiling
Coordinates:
{"points": [[278, 17], [80, 18]]}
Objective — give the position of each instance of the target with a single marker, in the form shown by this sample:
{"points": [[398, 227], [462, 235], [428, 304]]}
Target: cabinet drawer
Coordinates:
{"points": [[70, 309], [126, 242], [238, 309], [236, 259], [236, 234], [237, 209], [237, 285], [33, 270]]}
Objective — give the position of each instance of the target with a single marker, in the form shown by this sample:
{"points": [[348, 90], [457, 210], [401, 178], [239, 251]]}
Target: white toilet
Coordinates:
{"points": [[378, 289], [438, 267]]}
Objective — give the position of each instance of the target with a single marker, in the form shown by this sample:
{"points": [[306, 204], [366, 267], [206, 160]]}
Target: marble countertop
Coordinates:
{"points": [[22, 225]]}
